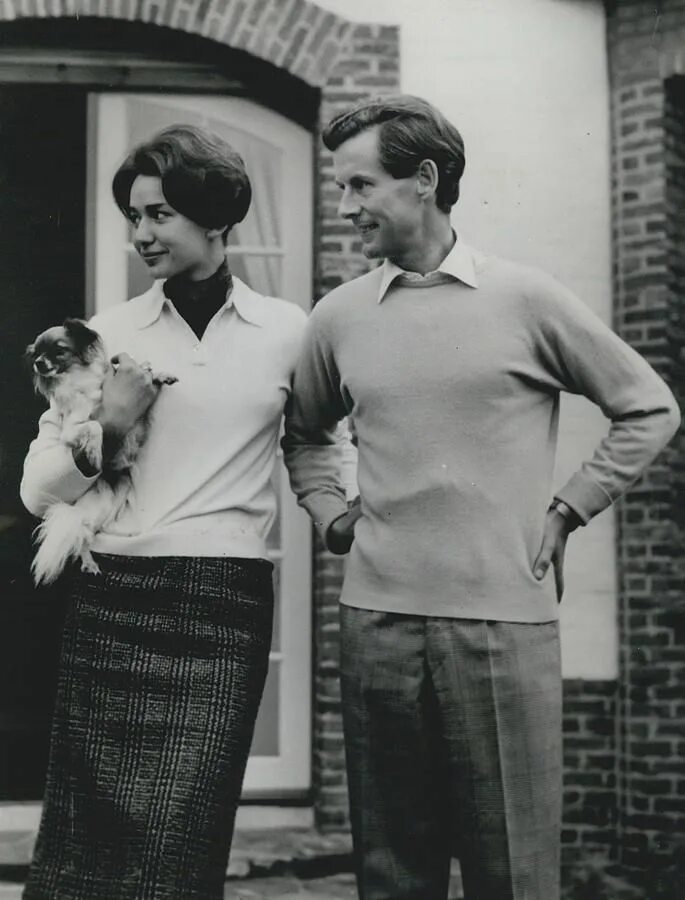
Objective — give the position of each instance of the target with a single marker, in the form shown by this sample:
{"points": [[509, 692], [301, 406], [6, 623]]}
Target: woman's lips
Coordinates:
{"points": [[151, 258]]}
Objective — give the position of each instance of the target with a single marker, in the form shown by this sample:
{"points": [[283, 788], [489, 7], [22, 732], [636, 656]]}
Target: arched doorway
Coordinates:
{"points": [[68, 112], [291, 56]]}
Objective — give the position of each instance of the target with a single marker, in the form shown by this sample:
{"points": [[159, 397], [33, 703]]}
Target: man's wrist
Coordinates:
{"points": [[567, 512]]}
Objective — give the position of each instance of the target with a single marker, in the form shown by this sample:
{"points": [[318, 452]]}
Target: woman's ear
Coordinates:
{"points": [[427, 178], [215, 233]]}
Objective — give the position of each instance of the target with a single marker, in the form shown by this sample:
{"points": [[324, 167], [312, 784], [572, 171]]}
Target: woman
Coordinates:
{"points": [[165, 652]]}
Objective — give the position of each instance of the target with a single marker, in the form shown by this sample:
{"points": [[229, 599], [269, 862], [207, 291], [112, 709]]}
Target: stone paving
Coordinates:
{"points": [[292, 863], [336, 887], [287, 864]]}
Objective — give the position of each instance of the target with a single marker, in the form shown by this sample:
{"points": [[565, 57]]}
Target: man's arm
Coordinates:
{"points": [[590, 359], [311, 448], [584, 356]]}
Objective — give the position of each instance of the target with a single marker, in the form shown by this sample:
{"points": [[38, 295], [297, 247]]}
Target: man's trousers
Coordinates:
{"points": [[453, 744]]}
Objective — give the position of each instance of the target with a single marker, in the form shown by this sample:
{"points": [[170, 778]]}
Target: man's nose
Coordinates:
{"points": [[348, 207]]}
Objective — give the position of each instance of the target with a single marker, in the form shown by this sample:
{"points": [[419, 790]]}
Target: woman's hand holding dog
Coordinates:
{"points": [[128, 391]]}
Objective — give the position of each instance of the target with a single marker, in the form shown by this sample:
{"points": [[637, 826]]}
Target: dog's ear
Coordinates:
{"points": [[29, 356], [82, 336]]}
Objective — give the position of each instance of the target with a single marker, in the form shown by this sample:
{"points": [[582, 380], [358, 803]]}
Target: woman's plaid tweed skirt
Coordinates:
{"points": [[162, 670]]}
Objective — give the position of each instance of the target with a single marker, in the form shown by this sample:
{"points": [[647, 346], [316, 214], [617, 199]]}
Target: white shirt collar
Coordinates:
{"points": [[248, 304], [460, 263]]}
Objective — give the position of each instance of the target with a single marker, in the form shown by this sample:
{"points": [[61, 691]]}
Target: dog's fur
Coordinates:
{"points": [[69, 366]]}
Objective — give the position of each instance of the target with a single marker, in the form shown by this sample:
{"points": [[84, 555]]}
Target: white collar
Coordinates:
{"points": [[248, 303], [460, 263]]}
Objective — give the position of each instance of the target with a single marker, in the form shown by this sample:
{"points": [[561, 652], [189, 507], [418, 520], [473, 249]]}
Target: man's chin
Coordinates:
{"points": [[372, 251]]}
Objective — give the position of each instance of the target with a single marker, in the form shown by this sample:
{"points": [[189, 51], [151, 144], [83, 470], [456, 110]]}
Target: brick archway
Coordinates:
{"points": [[299, 36], [344, 60]]}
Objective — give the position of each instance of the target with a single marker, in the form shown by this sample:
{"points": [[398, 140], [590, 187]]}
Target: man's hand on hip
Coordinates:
{"points": [[340, 532], [560, 521]]}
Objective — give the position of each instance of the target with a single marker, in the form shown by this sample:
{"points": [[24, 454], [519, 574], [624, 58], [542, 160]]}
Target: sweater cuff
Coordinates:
{"points": [[324, 510], [66, 483], [586, 498]]}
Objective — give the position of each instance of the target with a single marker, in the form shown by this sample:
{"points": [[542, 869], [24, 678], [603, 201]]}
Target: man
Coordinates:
{"points": [[450, 364]]}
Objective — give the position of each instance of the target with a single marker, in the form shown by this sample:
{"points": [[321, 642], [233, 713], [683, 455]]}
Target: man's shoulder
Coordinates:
{"points": [[362, 290], [523, 280], [513, 271]]}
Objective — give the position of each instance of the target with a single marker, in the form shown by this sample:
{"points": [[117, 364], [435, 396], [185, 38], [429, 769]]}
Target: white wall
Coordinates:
{"points": [[526, 84]]}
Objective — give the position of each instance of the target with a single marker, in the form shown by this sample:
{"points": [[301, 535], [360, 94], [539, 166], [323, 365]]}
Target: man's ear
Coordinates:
{"points": [[427, 178]]}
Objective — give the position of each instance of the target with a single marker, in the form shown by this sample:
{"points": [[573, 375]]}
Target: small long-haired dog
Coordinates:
{"points": [[69, 366]]}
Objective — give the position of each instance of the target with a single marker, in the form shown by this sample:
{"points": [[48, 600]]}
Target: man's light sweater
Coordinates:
{"points": [[453, 391]]}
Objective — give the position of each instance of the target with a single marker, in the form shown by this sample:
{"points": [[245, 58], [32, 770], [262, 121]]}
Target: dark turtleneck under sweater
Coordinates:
{"points": [[198, 301]]}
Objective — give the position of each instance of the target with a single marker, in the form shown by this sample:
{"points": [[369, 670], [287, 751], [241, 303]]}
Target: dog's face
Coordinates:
{"points": [[59, 350]]}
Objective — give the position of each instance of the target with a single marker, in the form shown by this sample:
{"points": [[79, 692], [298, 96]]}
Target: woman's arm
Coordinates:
{"points": [[52, 470]]}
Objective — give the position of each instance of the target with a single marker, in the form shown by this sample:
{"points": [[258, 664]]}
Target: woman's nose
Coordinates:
{"points": [[142, 234]]}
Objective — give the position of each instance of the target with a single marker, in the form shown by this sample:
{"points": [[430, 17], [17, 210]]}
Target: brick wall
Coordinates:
{"points": [[646, 44], [589, 817], [369, 65]]}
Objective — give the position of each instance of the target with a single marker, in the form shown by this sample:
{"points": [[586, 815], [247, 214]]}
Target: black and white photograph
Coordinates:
{"points": [[342, 475]]}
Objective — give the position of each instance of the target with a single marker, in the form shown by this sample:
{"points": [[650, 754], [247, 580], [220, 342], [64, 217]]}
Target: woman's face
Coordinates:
{"points": [[167, 241]]}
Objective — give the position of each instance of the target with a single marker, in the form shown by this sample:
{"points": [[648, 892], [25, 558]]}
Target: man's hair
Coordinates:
{"points": [[410, 130], [202, 176]]}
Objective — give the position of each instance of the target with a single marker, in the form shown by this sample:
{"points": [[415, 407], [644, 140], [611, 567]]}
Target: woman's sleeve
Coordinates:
{"points": [[50, 473]]}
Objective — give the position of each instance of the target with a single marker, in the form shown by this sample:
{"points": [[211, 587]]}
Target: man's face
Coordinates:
{"points": [[386, 211]]}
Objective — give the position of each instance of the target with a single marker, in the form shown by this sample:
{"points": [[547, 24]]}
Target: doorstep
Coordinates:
{"points": [[303, 852]]}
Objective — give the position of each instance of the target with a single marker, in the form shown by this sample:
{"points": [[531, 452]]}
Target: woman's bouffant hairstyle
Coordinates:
{"points": [[202, 176], [411, 130]]}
